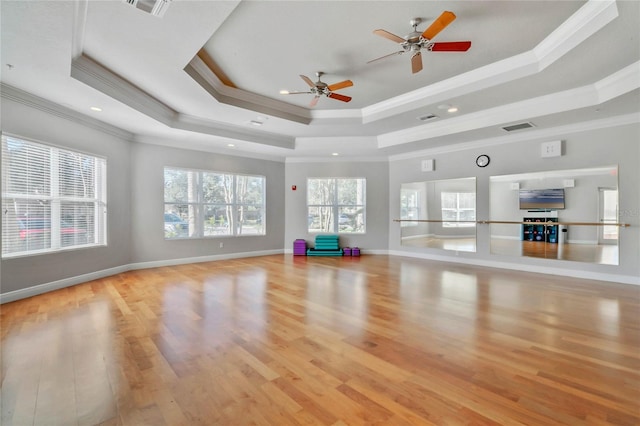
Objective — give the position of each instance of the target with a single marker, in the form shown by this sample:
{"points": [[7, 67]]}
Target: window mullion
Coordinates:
{"points": [[54, 176], [199, 206], [234, 205]]}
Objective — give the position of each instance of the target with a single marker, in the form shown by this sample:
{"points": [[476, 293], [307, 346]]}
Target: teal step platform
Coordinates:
{"points": [[316, 252], [326, 245]]}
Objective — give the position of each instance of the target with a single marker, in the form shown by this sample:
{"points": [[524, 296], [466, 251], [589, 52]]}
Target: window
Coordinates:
{"points": [[459, 208], [608, 206], [336, 205], [200, 203], [52, 199], [409, 202]]}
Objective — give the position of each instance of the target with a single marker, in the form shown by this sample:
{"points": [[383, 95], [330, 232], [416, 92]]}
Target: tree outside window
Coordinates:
{"points": [[208, 204], [336, 205]]}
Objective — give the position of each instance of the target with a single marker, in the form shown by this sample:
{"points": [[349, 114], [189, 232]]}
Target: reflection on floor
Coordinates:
{"points": [[592, 253], [455, 244]]}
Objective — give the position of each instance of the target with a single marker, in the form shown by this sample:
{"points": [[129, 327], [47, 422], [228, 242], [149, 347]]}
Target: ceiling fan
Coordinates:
{"points": [[416, 41], [320, 88]]}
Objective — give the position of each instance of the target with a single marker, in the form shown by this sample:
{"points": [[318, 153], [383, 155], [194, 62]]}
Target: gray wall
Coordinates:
{"points": [[135, 200], [603, 147], [377, 176], [147, 204], [32, 123]]}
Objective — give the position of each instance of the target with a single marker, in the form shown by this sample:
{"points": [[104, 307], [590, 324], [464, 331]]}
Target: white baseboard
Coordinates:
{"points": [[79, 279], [68, 282], [200, 259], [56, 285]]}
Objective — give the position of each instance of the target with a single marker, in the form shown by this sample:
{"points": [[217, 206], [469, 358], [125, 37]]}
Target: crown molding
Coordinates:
{"points": [[228, 131], [206, 78], [35, 102], [585, 22], [93, 74], [90, 72], [333, 160], [206, 146], [619, 83], [554, 132]]}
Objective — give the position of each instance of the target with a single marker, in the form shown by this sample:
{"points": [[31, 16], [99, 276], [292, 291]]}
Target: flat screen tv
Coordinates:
{"points": [[542, 199]]}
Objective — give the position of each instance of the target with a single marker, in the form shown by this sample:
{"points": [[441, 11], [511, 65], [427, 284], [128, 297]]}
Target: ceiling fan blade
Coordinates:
{"points": [[386, 56], [314, 101], [388, 35], [296, 93], [339, 97], [307, 80], [439, 24], [450, 46], [416, 62], [340, 85]]}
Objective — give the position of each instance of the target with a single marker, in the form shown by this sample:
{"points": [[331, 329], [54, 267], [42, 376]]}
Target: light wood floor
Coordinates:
{"points": [[605, 254], [283, 340]]}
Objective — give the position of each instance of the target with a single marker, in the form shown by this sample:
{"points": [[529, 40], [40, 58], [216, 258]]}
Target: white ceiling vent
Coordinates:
{"points": [[154, 7], [518, 126]]}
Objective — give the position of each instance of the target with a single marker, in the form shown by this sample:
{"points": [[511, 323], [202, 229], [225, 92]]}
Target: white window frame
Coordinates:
{"points": [[458, 211], [336, 208], [197, 206], [14, 202]]}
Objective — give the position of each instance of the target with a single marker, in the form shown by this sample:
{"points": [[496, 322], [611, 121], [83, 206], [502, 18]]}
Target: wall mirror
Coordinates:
{"points": [[557, 215], [439, 214]]}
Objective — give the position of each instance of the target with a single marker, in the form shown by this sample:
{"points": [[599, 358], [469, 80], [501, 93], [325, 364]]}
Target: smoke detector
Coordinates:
{"points": [[154, 7]]}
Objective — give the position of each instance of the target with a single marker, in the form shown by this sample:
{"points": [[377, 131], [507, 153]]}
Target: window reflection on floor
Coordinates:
{"points": [[467, 244], [593, 253]]}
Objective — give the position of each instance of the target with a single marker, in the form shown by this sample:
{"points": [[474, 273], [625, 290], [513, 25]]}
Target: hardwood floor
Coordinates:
{"points": [[283, 340]]}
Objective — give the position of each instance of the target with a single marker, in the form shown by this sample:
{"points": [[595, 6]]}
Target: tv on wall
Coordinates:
{"points": [[542, 199]]}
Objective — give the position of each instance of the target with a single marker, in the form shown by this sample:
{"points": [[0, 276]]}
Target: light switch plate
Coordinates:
{"points": [[551, 149], [428, 165]]}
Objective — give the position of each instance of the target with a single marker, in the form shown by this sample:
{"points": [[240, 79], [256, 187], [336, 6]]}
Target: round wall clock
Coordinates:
{"points": [[483, 160]]}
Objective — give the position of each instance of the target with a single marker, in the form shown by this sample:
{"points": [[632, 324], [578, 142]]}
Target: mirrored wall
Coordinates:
{"points": [[439, 214], [567, 215]]}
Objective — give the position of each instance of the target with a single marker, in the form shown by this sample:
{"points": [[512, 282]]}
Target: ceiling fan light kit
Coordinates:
{"points": [[320, 88], [415, 41]]}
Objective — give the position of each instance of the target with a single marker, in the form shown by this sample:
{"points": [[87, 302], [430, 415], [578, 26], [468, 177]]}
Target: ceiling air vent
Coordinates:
{"points": [[154, 7], [519, 126], [427, 117]]}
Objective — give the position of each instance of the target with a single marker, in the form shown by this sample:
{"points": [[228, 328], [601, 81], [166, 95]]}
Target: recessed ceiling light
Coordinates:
{"points": [[452, 109], [284, 92], [96, 109], [256, 123], [230, 145], [335, 154]]}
